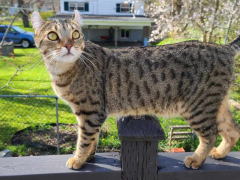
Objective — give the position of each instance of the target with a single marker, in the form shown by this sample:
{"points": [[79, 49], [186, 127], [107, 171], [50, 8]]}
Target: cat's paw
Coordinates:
{"points": [[90, 157], [74, 163], [214, 154], [192, 162]]}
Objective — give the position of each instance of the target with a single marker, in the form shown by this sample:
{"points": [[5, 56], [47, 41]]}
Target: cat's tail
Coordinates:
{"points": [[235, 45]]}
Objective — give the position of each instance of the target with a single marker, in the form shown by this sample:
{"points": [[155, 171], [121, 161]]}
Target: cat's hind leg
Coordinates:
{"points": [[203, 122], [228, 129], [201, 153]]}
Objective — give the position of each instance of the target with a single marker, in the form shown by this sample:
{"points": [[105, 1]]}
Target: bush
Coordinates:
{"points": [[46, 14]]}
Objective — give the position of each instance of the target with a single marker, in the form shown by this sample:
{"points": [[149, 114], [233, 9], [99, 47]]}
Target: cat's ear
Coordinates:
{"points": [[77, 18], [36, 21]]}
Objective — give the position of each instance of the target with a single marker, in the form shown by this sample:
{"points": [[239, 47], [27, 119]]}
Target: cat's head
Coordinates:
{"points": [[58, 40]]}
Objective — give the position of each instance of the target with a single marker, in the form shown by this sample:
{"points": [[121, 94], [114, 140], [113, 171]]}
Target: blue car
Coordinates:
{"points": [[17, 35]]}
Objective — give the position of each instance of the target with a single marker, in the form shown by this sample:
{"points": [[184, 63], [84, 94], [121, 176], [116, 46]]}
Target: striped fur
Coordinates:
{"points": [[190, 79]]}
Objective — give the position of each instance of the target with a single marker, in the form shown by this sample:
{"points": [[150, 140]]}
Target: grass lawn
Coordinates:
{"points": [[20, 24], [17, 114]]}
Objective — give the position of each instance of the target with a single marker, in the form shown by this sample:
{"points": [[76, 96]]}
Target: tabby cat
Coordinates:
{"points": [[189, 79]]}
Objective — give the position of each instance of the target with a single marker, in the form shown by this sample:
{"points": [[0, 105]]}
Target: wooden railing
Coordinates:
{"points": [[139, 160], [107, 166]]}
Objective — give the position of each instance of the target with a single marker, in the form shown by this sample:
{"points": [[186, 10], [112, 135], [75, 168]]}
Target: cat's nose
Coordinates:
{"points": [[68, 46]]}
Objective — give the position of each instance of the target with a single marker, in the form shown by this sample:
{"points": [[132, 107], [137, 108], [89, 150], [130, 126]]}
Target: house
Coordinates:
{"points": [[37, 5], [109, 22]]}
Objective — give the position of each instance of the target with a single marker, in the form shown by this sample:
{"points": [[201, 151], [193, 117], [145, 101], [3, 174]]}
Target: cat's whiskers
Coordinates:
{"points": [[51, 60], [53, 63], [53, 54], [83, 57], [91, 57], [56, 63], [88, 54], [86, 65]]}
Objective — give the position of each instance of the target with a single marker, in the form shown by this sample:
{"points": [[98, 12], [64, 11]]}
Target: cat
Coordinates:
{"points": [[189, 79]]}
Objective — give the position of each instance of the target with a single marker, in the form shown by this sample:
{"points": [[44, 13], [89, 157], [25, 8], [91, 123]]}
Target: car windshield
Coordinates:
{"points": [[18, 29]]}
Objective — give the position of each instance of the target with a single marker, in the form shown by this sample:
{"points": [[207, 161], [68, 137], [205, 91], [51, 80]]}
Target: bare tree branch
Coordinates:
{"points": [[9, 80], [230, 22], [18, 69], [5, 35]]}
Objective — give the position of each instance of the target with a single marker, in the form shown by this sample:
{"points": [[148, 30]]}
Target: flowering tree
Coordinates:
{"points": [[209, 18]]}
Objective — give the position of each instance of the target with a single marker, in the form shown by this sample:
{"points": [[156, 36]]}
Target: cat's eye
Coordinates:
{"points": [[52, 36], [75, 35]]}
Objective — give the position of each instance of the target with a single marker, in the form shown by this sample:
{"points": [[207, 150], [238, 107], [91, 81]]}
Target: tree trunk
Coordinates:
{"points": [[53, 7], [11, 3], [176, 7], [25, 20], [24, 14], [204, 37], [210, 38]]}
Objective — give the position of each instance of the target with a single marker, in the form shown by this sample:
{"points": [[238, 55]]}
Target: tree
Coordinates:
{"points": [[24, 14], [178, 17], [19, 68]]}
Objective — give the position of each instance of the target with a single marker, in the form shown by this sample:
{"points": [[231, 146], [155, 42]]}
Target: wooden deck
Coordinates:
{"points": [[107, 166]]}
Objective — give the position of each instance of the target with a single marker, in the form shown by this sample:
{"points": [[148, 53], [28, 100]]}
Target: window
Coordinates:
{"points": [[125, 33], [11, 30], [77, 6], [80, 6], [124, 8], [18, 29], [3, 29]]}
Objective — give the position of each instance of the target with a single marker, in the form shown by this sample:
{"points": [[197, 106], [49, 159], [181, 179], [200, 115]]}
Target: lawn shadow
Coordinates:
{"points": [[7, 131]]}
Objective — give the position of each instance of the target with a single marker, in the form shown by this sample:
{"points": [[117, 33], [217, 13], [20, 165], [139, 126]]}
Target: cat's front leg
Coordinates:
{"points": [[93, 148], [88, 133]]}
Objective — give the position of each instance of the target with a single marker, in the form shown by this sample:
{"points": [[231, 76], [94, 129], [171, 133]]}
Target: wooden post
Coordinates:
{"points": [[89, 33], [116, 36], [139, 151], [146, 31], [170, 136]]}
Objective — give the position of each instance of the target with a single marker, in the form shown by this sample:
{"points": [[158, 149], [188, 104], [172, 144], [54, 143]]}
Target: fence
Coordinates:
{"points": [[22, 111]]}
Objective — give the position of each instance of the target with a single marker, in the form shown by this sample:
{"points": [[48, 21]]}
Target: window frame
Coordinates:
{"points": [[125, 33], [119, 8], [68, 6], [3, 28], [76, 5]]}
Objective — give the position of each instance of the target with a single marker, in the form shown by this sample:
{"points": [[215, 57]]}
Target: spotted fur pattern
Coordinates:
{"points": [[189, 79]]}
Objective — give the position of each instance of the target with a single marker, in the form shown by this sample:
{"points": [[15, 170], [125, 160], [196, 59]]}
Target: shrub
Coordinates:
{"points": [[46, 14]]}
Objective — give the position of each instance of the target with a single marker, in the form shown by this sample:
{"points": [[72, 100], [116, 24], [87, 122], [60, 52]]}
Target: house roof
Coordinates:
{"points": [[112, 20]]}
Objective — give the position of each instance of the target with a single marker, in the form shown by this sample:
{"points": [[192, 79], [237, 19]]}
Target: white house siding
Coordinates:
{"points": [[105, 7], [108, 7]]}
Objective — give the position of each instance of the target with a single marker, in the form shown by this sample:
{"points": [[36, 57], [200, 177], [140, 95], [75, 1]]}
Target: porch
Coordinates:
{"points": [[105, 29]]}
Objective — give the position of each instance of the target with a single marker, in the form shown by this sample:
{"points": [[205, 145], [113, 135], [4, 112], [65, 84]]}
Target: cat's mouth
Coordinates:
{"points": [[68, 54]]}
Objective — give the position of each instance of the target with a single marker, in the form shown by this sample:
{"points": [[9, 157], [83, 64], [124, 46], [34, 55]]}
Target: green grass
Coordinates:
{"points": [[173, 40], [33, 81], [20, 24], [19, 113], [18, 21]]}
